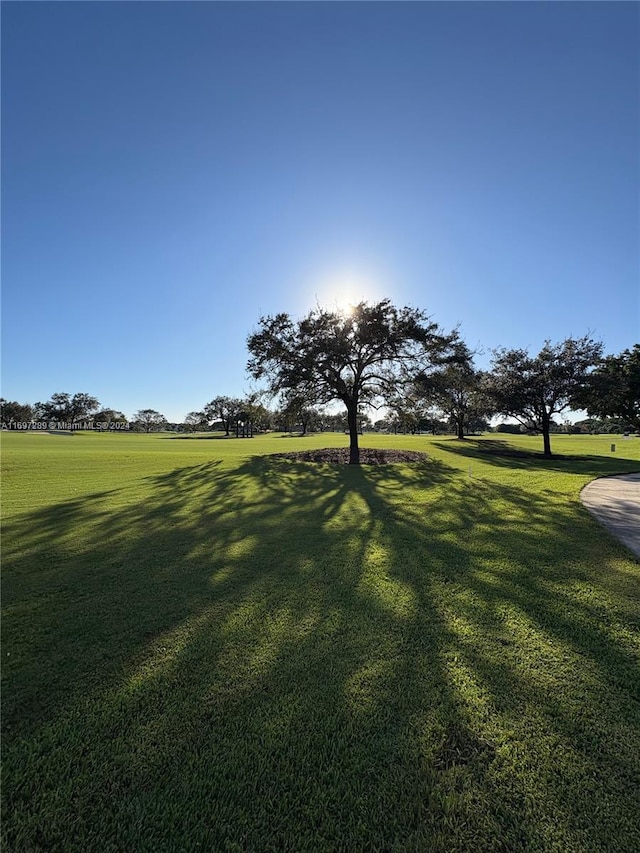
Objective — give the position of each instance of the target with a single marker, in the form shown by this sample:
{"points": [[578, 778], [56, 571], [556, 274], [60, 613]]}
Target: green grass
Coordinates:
{"points": [[207, 649]]}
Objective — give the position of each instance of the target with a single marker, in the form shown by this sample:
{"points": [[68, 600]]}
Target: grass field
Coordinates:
{"points": [[208, 649]]}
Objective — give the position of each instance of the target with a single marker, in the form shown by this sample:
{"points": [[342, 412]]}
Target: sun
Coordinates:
{"points": [[341, 287], [343, 292], [344, 305]]}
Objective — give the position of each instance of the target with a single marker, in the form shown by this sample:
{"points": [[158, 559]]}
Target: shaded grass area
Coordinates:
{"points": [[522, 455], [264, 654]]}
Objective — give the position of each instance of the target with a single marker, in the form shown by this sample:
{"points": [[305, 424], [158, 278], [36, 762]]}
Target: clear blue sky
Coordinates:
{"points": [[172, 171]]}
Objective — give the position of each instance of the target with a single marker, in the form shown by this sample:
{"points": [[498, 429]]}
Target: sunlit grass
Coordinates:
{"points": [[204, 648]]}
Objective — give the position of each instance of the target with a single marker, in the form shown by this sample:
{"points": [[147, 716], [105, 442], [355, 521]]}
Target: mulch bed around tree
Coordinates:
{"points": [[368, 456]]}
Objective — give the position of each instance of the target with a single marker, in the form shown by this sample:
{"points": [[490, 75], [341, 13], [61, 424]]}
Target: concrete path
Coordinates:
{"points": [[615, 502]]}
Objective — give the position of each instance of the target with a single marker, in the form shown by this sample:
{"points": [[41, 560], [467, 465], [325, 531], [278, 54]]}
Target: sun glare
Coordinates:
{"points": [[343, 292], [344, 305]]}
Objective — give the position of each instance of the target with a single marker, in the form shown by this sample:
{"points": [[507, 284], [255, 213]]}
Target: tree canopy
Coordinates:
{"points": [[456, 389], [534, 388], [11, 410], [66, 408], [149, 419], [224, 409], [613, 388], [359, 358]]}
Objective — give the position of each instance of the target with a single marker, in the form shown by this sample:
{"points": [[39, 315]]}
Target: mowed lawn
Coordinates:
{"points": [[208, 649]]}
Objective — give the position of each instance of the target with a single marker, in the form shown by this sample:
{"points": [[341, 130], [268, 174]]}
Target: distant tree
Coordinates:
{"points": [[399, 419], [365, 424], [607, 426], [56, 408], [70, 410], [224, 410], [195, 421], [258, 414], [477, 424], [512, 429], [284, 419], [532, 389], [12, 412], [357, 358], [109, 417], [149, 419], [569, 428], [456, 389], [242, 421], [434, 425], [404, 420], [407, 409], [335, 422], [587, 426], [82, 407], [298, 410], [613, 388]]}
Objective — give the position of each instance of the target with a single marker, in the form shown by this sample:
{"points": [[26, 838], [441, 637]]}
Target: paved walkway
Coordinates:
{"points": [[615, 502]]}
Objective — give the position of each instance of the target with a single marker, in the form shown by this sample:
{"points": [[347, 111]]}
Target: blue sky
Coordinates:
{"points": [[173, 171]]}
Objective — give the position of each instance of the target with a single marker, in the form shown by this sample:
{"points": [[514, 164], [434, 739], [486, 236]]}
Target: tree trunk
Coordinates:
{"points": [[460, 425], [546, 438], [354, 450]]}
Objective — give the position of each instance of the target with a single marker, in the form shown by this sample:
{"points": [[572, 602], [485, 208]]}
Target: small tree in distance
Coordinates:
{"points": [[259, 415], [406, 411], [532, 389], [358, 358], [456, 389], [195, 421], [298, 410], [149, 419], [225, 410]]}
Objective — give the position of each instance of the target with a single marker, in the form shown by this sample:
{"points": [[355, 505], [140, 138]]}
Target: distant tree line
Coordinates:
{"points": [[76, 412]]}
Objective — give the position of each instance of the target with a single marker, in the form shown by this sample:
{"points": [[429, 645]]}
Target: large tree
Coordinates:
{"points": [[532, 389], [613, 388], [359, 358]]}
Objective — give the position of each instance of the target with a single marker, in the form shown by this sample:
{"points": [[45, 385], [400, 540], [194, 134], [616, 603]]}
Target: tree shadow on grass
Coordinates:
{"points": [[197, 437], [505, 455], [299, 657]]}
